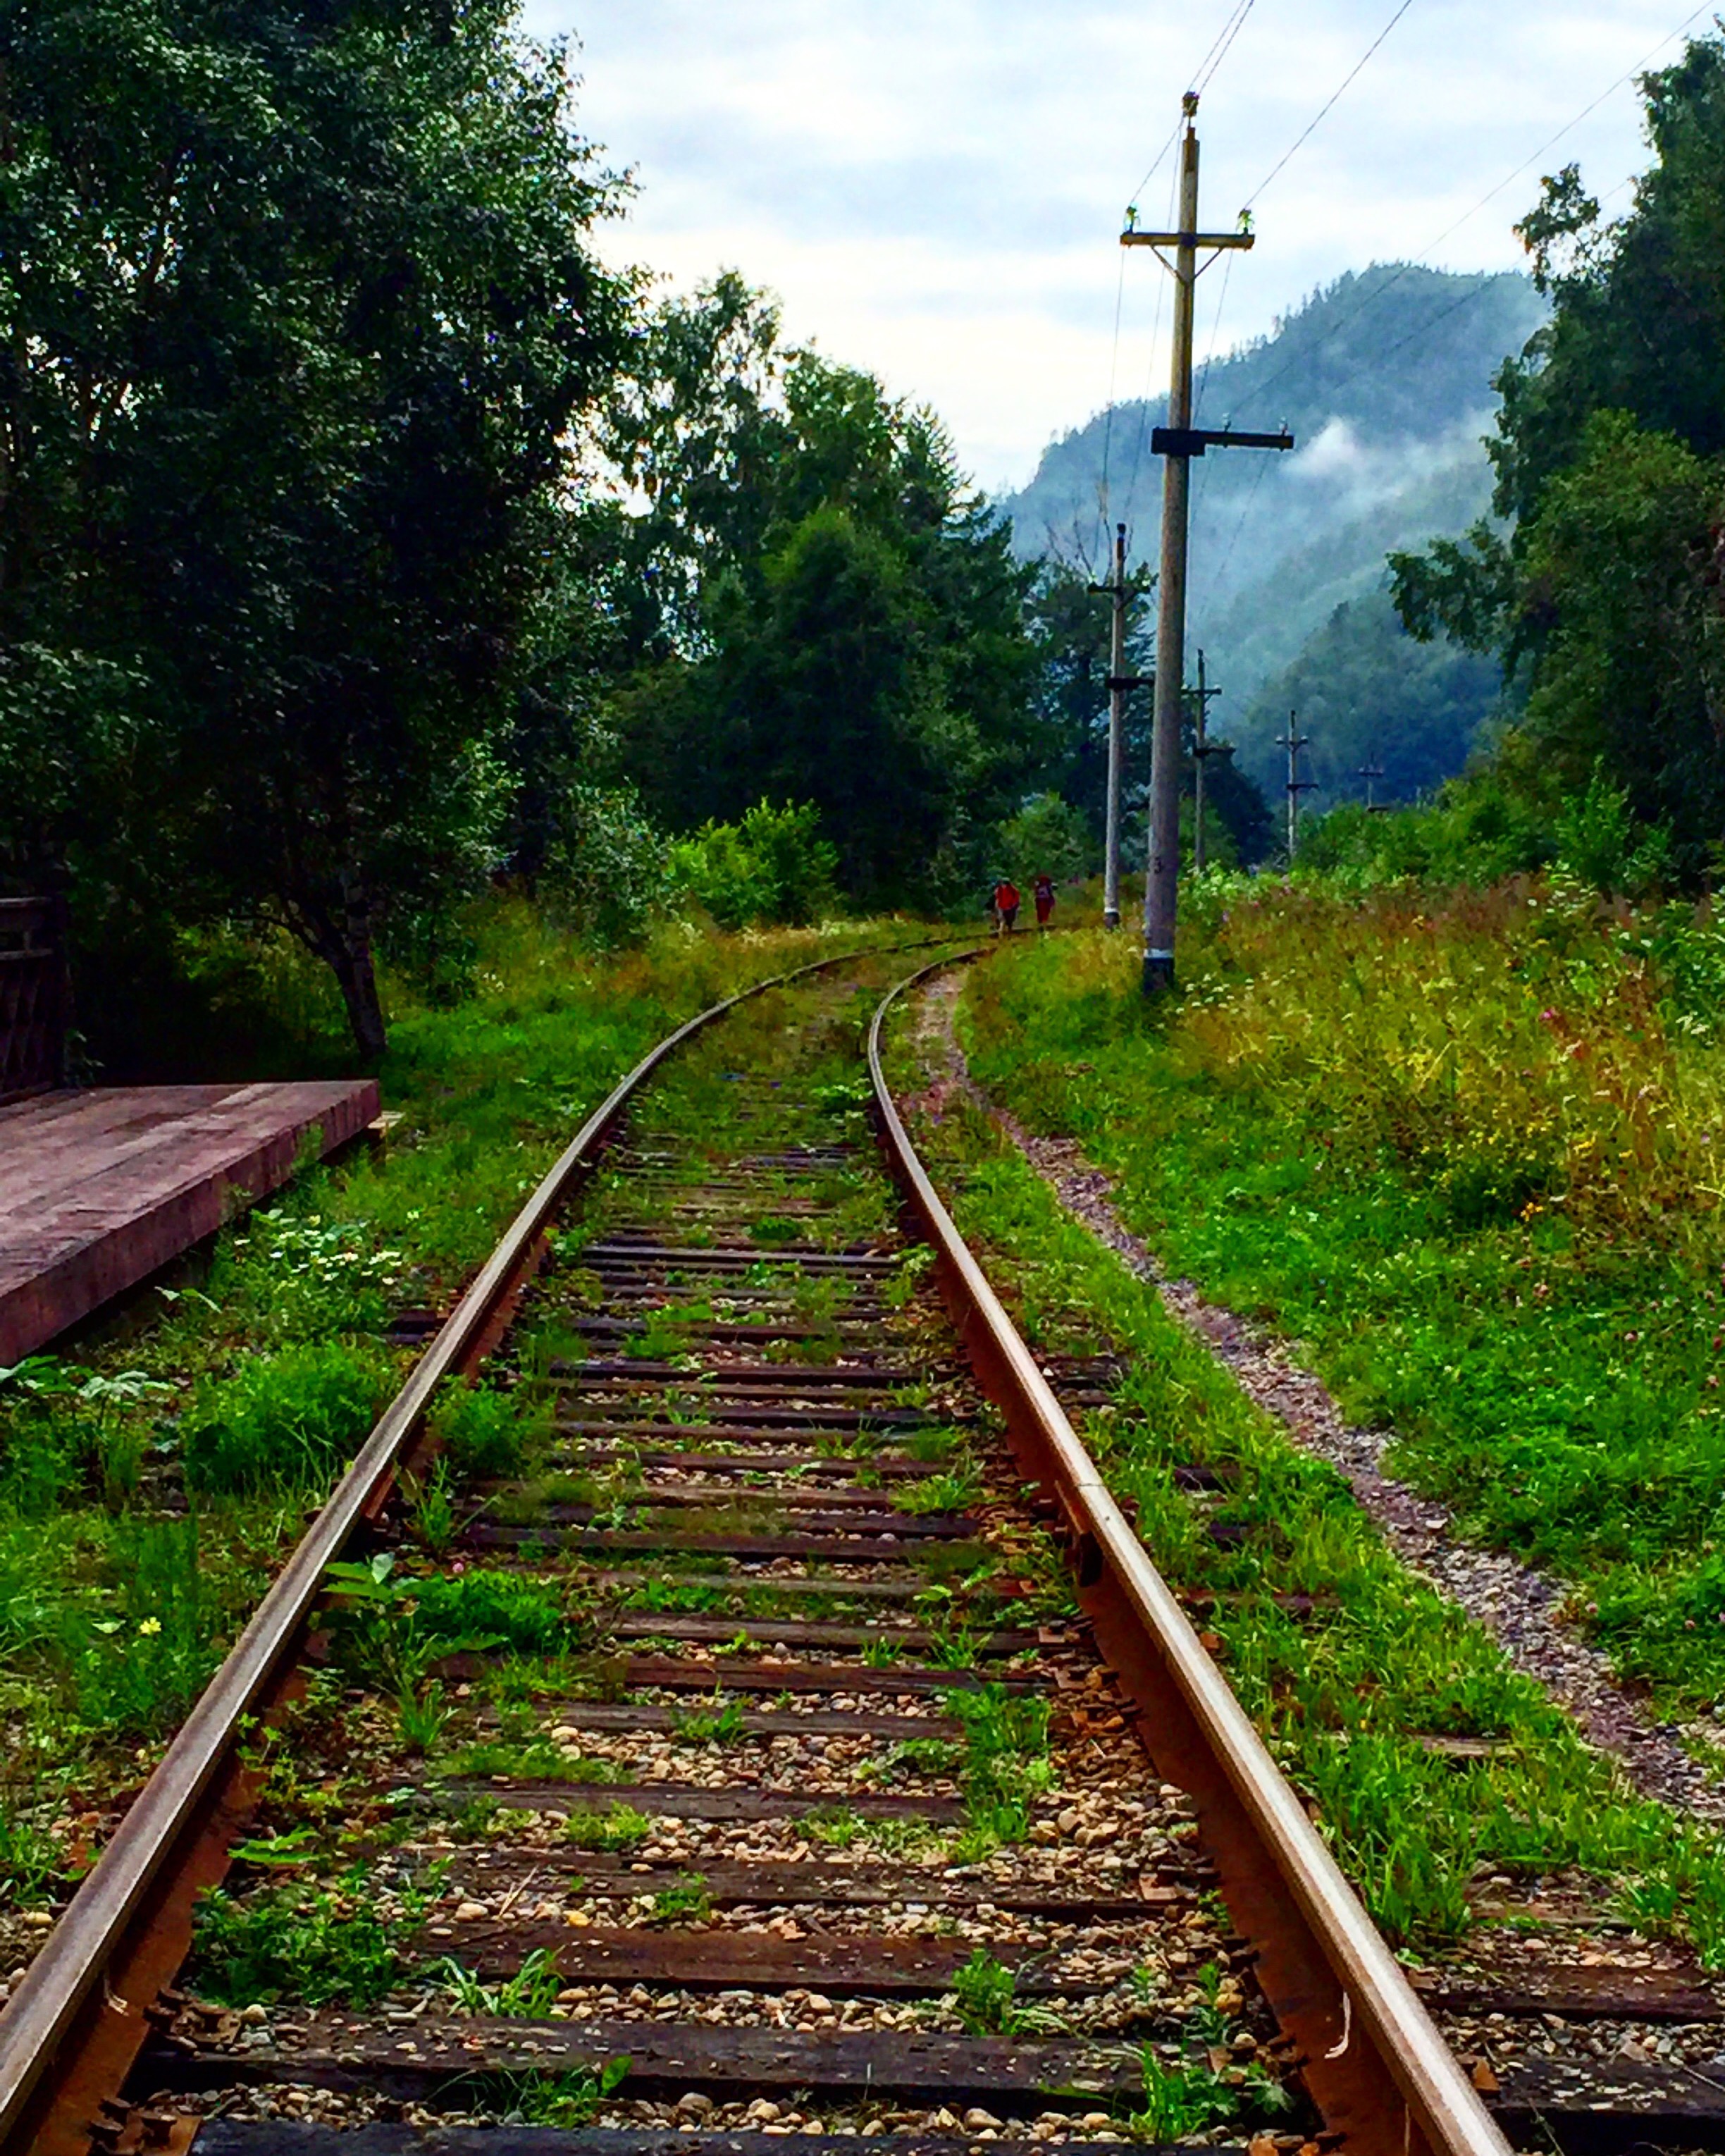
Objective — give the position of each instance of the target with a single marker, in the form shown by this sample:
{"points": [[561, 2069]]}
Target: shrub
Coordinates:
{"points": [[483, 1433], [283, 1421], [141, 1669], [495, 1609], [773, 866], [609, 866], [1047, 837], [306, 1942]]}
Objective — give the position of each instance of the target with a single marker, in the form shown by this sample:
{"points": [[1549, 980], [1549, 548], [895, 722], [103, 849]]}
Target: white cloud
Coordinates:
{"points": [[935, 186]]}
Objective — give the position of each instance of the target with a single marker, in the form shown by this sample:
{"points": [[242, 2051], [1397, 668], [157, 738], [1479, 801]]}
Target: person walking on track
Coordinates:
{"points": [[1043, 891], [1006, 906]]}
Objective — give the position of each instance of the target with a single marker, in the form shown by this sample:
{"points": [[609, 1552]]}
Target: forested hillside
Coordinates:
{"points": [[1385, 379]]}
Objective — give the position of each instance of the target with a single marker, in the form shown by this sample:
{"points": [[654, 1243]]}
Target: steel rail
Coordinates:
{"points": [[1375, 2063], [78, 2014]]}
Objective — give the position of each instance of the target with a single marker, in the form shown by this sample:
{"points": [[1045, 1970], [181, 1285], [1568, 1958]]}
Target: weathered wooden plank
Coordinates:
{"points": [[97, 1190], [786, 1632], [839, 1964], [771, 1884], [837, 1549], [1581, 1991]]}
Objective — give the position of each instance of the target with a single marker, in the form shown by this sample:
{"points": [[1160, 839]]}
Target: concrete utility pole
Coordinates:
{"points": [[1121, 683], [1178, 442], [1293, 741], [1202, 750], [1369, 772]]}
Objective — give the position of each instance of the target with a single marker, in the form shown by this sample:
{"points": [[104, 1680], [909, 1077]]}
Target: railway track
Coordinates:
{"points": [[742, 1731]]}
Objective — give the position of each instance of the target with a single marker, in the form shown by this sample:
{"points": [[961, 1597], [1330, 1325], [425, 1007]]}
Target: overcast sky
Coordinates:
{"points": [[935, 186]]}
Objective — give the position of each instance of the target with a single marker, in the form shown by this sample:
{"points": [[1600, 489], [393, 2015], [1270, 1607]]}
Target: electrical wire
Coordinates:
{"points": [[1155, 334], [1402, 268], [1219, 51], [1326, 107], [1113, 376]]}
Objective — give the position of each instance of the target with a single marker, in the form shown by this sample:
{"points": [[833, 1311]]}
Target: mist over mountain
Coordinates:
{"points": [[1384, 379]]}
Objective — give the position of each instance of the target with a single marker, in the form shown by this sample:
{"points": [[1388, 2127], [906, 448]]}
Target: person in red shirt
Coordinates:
{"points": [[1043, 891], [1006, 906]]}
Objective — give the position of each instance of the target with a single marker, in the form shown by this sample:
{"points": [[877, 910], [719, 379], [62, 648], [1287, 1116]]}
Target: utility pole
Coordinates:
{"points": [[1293, 741], [1202, 750], [1178, 443], [1369, 772], [1121, 683]]}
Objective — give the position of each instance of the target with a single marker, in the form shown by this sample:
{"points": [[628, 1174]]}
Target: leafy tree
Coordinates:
{"points": [[836, 617], [1368, 693], [1071, 626], [297, 309], [1602, 601], [1047, 837]]}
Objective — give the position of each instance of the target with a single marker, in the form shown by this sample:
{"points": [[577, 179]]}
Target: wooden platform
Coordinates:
{"points": [[99, 1188]]}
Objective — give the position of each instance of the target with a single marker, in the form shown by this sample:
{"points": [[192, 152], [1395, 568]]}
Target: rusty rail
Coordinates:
{"points": [[75, 2022], [1375, 2064]]}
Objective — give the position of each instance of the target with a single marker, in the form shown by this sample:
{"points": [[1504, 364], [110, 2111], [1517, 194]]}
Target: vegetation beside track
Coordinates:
{"points": [[1467, 1150], [154, 1472], [1345, 1689]]}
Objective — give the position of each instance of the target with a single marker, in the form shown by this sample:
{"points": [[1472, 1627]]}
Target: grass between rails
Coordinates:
{"points": [[1469, 1153], [1343, 1693], [153, 1477]]}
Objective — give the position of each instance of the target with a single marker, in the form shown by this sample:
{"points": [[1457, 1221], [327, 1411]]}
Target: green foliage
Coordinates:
{"points": [[835, 619], [477, 1610], [1180, 2101], [312, 1943], [713, 1725], [1006, 1765], [605, 868], [1047, 836], [982, 1993], [565, 2101], [688, 1902], [771, 866], [485, 1434], [423, 1717], [1474, 830], [528, 1995], [1600, 843], [1368, 693], [619, 1827], [285, 517], [1364, 1125], [1609, 455], [287, 1421]]}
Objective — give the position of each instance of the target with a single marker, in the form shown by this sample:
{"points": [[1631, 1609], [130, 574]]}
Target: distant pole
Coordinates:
{"points": [[1369, 772], [1178, 443], [1162, 884], [1116, 728], [1120, 684], [1202, 750], [1293, 741]]}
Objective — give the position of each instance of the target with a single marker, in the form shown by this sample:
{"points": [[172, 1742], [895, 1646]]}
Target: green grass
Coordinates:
{"points": [[240, 1386], [318, 1944], [1342, 1694], [1468, 1155], [619, 1827]]}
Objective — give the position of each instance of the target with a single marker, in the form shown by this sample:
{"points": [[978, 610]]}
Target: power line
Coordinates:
{"points": [[1219, 52], [1113, 372], [1329, 105], [1206, 68], [1379, 292], [1155, 332]]}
